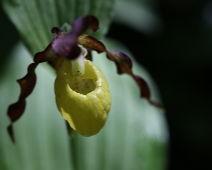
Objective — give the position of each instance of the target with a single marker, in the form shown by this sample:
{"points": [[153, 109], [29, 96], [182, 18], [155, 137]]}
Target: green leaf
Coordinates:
{"points": [[134, 137], [34, 19], [143, 17], [42, 140]]}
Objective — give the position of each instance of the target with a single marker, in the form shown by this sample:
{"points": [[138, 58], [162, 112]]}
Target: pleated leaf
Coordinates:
{"points": [[134, 136], [41, 136], [34, 19]]}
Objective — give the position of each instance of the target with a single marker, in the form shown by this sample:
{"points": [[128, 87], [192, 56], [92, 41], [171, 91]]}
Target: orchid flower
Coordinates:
{"points": [[82, 92]]}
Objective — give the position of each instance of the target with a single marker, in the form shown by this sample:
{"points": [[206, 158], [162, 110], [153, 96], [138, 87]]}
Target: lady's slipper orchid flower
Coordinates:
{"points": [[84, 100], [82, 92]]}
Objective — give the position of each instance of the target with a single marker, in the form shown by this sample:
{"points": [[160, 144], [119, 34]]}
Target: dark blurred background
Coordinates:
{"points": [[179, 58]]}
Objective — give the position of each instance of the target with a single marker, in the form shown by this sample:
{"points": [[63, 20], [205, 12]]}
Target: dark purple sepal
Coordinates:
{"points": [[47, 55], [124, 65], [27, 84], [144, 89], [122, 61], [82, 24], [66, 45], [91, 43]]}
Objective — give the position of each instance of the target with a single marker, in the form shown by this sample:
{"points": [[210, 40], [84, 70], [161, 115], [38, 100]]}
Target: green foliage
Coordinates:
{"points": [[34, 19], [135, 135]]}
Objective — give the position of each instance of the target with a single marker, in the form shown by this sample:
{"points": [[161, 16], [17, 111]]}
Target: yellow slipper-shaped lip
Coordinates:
{"points": [[84, 101]]}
